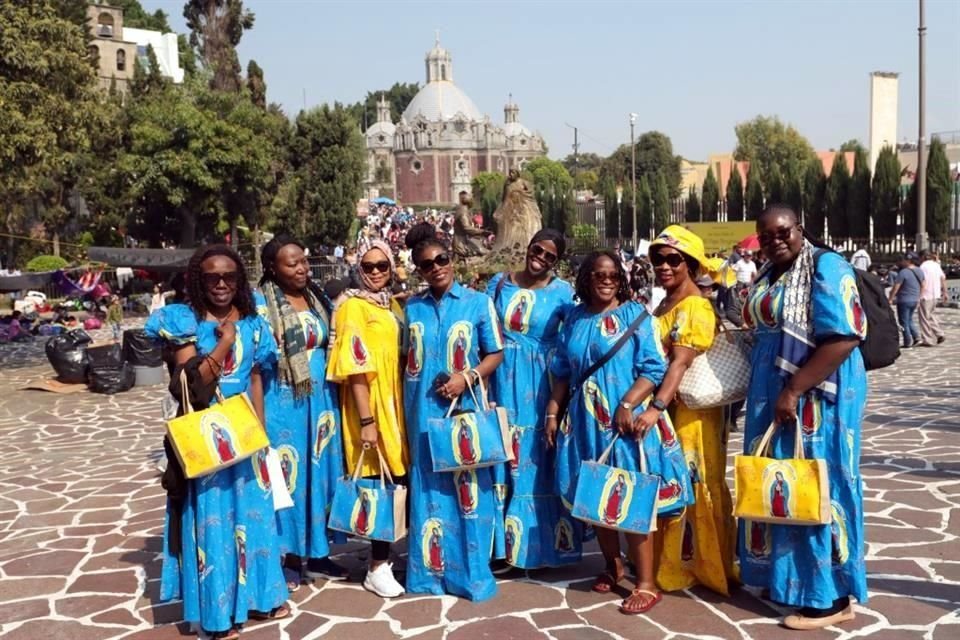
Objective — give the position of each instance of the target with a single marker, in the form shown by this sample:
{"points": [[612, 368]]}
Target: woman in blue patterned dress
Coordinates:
{"points": [[453, 340], [303, 415], [220, 552], [531, 305], [807, 374], [614, 400]]}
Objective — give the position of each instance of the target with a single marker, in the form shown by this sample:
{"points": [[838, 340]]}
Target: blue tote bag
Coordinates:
{"points": [[471, 440], [369, 508], [615, 498]]}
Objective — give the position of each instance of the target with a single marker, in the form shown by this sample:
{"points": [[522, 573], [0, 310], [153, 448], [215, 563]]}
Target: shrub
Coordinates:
{"points": [[46, 263]]}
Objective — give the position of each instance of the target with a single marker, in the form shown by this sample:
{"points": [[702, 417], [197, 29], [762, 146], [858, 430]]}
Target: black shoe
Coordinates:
{"points": [[941, 339], [325, 568]]}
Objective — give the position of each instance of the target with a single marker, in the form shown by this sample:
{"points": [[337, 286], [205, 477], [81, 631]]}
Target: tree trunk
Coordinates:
{"points": [[56, 243], [188, 231], [234, 240]]}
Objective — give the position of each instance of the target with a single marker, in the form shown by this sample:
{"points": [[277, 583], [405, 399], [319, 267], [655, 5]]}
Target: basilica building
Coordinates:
{"points": [[442, 141]]}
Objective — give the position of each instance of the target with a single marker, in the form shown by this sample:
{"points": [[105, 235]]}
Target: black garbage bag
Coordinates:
{"points": [[111, 378], [108, 355], [67, 354], [140, 350]]}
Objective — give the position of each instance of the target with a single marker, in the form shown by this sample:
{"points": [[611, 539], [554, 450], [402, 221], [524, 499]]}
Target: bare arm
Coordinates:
{"points": [[256, 394], [943, 287], [680, 360], [558, 394], [824, 361], [638, 391], [893, 292], [212, 365], [360, 389]]}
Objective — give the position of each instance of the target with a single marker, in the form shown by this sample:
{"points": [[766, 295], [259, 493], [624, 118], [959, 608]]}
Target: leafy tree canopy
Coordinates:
{"points": [[766, 141]]}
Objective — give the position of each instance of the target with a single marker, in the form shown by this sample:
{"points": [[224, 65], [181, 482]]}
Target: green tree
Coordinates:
{"points": [[610, 211], [661, 204], [586, 180], [256, 85], [939, 192], [793, 188], [216, 27], [858, 197], [654, 154], [852, 145], [838, 188], [135, 17], [399, 96], [754, 194], [885, 194], [814, 198], [644, 208], [767, 141], [773, 184], [328, 166], [692, 210], [554, 188], [711, 197], [910, 211], [734, 194], [487, 187], [150, 79], [584, 162]]}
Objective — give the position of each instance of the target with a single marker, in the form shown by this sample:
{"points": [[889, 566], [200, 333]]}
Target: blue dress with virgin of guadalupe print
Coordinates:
{"points": [[531, 320], [230, 560], [450, 537], [809, 566], [306, 434], [589, 427]]}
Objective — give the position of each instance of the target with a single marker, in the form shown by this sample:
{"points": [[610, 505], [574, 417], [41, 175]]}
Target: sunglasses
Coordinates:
{"points": [[783, 234], [211, 280], [537, 251], [369, 267], [605, 276], [672, 259], [440, 260]]}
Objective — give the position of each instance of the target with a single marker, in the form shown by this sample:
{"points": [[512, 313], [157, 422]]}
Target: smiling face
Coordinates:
{"points": [[375, 266], [604, 281], [670, 267], [438, 276], [781, 237], [291, 268], [541, 257], [219, 274]]}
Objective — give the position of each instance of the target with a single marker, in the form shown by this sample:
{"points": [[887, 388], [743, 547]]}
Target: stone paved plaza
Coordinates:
{"points": [[81, 516]]}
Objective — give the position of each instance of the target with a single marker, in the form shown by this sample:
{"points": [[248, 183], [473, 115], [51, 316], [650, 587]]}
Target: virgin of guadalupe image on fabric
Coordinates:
{"points": [[234, 357], [609, 326], [326, 427], [364, 512], [757, 538], [241, 541], [512, 534], [466, 440], [431, 539], [563, 536], [777, 481], [466, 483], [518, 311], [414, 362], [458, 346], [840, 541], [259, 463], [216, 430], [597, 405], [615, 498]]}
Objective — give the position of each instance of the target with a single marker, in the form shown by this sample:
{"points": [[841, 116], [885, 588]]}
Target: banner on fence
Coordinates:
{"points": [[721, 236]]}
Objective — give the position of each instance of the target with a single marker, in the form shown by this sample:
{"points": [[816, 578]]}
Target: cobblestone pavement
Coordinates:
{"points": [[81, 515]]}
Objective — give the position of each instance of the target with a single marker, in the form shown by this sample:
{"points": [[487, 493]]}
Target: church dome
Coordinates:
{"points": [[512, 129], [441, 100]]}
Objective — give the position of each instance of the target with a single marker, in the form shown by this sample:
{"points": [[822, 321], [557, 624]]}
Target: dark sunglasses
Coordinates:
{"points": [[369, 267], [672, 259], [440, 260], [782, 234], [605, 276], [537, 251], [210, 280]]}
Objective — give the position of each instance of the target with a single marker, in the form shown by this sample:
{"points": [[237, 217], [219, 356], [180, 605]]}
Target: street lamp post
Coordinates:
{"points": [[922, 142], [619, 213], [633, 180]]}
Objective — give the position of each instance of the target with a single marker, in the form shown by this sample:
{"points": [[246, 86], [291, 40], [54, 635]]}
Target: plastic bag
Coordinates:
{"points": [[140, 350], [67, 354], [111, 378], [109, 355], [92, 323]]}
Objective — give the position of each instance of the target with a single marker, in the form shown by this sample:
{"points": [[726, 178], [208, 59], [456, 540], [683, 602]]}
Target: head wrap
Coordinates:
{"points": [[687, 243]]}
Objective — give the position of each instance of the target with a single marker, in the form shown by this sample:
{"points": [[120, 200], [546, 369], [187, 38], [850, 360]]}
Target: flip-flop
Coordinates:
{"points": [[277, 613], [232, 634], [605, 582], [656, 597]]}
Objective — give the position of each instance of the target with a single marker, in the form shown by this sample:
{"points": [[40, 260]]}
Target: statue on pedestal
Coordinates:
{"points": [[467, 237], [518, 216]]}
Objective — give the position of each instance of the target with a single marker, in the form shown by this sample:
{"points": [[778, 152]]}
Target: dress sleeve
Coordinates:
{"points": [[265, 345], [174, 323], [260, 302], [694, 325], [649, 360], [488, 328], [492, 284], [350, 354], [835, 300]]}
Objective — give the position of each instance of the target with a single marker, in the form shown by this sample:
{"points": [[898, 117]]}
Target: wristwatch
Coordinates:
{"points": [[627, 406], [659, 405]]}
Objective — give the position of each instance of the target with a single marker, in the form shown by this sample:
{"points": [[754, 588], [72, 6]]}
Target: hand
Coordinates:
{"points": [[785, 411], [623, 420], [453, 387], [370, 435], [550, 432], [643, 422], [226, 332]]}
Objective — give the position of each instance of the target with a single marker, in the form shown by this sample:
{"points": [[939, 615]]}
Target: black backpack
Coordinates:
{"points": [[881, 347]]}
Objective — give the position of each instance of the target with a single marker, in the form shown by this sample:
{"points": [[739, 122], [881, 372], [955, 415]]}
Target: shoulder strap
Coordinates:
{"points": [[614, 349]]}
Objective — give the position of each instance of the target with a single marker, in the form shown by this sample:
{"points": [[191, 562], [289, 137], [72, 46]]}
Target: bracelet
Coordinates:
{"points": [[550, 415], [366, 422], [215, 366]]}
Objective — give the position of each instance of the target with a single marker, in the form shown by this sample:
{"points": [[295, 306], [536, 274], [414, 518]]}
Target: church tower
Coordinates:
{"points": [[439, 64], [511, 112], [383, 110]]}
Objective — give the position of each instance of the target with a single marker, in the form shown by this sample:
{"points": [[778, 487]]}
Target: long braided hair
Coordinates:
{"points": [[586, 268], [242, 299]]}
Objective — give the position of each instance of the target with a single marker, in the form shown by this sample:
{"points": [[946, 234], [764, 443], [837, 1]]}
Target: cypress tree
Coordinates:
{"points": [[885, 194], [838, 188], [939, 192], [661, 203], [754, 204], [693, 211], [814, 197], [644, 208], [711, 197], [792, 188], [774, 184], [734, 195], [858, 197]]}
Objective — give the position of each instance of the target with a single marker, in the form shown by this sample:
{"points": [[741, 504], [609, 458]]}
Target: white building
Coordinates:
{"points": [[164, 47]]}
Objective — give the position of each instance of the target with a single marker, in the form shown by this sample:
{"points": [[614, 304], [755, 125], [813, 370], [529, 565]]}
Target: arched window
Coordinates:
{"points": [[105, 25], [443, 72], [121, 60]]}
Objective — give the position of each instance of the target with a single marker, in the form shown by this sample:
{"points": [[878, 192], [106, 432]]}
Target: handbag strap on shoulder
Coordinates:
{"points": [[612, 351]]}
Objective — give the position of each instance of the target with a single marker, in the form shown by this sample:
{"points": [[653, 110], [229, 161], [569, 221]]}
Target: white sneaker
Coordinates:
{"points": [[381, 582]]}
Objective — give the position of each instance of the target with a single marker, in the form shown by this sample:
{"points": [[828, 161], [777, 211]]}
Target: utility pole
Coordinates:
{"points": [[922, 142], [633, 180], [576, 147], [619, 214]]}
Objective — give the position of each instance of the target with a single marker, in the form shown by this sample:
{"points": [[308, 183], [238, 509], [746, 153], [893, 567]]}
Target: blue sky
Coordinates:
{"points": [[691, 69]]}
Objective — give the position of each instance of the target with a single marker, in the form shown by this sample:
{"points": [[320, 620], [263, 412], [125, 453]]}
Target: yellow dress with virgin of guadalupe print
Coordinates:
{"points": [[697, 546], [368, 342]]}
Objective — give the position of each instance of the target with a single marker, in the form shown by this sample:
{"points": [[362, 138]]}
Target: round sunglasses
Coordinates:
{"points": [[672, 259], [210, 280], [538, 251], [383, 266], [440, 260]]}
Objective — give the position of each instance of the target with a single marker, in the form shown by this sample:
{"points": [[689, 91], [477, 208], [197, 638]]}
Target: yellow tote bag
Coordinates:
{"points": [[791, 491], [218, 437]]}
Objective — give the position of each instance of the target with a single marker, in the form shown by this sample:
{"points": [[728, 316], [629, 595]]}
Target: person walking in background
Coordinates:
{"points": [[745, 269], [934, 290], [906, 295], [115, 316], [302, 411], [860, 258], [807, 374]]}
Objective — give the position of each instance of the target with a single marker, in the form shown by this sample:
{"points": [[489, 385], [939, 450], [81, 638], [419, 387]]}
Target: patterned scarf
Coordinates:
{"points": [[797, 338], [382, 298], [294, 361]]}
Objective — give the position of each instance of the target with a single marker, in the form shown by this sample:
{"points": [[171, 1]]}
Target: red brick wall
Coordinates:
{"points": [[415, 188]]}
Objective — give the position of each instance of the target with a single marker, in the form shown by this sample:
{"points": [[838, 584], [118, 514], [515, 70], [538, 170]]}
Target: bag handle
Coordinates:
{"points": [[606, 453], [185, 393], [476, 402], [764, 445], [384, 469]]}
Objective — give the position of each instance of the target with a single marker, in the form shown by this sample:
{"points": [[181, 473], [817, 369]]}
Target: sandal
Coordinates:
{"points": [[277, 613], [232, 634], [606, 582], [627, 609]]}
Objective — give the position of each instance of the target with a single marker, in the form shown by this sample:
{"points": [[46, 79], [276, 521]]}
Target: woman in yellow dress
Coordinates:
{"points": [[365, 360], [697, 546]]}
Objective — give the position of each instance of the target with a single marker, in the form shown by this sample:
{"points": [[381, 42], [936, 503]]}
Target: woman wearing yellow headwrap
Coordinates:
{"points": [[697, 546]]}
